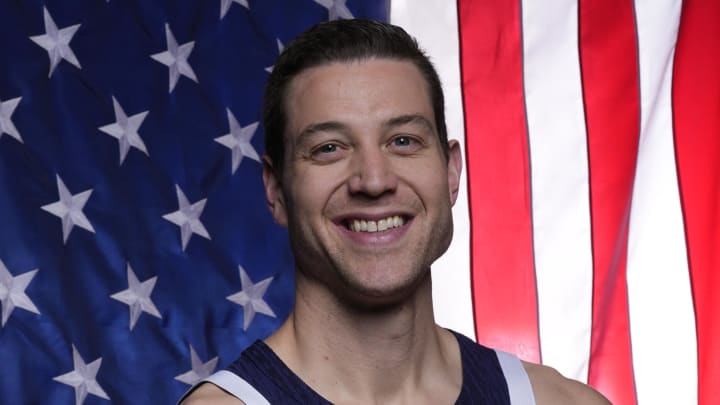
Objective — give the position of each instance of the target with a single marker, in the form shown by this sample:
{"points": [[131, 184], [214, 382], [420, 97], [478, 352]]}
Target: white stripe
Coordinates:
{"points": [[661, 313], [559, 170], [434, 24], [238, 387], [518, 382]]}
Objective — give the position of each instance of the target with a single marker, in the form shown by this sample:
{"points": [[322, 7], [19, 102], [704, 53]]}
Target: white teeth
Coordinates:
{"points": [[361, 225], [372, 226]]}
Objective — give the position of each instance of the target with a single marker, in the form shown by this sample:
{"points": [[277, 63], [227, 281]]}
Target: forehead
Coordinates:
{"points": [[361, 93]]}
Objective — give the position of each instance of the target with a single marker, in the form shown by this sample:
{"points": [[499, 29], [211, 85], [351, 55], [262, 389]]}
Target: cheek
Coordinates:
{"points": [[429, 183], [310, 195]]}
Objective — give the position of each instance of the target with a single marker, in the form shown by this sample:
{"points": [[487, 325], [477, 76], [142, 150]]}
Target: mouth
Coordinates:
{"points": [[372, 226]]}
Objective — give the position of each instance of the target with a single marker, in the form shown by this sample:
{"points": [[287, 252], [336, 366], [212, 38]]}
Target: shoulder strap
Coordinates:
{"points": [[518, 382], [235, 385]]}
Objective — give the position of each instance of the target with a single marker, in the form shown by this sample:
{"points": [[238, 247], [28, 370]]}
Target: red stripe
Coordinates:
{"points": [[503, 280], [696, 107], [608, 57]]}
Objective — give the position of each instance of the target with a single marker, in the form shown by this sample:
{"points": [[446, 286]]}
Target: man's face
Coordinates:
{"points": [[366, 192]]}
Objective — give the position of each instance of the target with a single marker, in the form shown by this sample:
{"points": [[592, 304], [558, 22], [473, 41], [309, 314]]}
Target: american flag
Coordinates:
{"points": [[138, 255], [136, 251]]}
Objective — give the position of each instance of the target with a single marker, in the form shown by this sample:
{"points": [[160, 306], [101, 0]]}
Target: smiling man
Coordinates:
{"points": [[360, 170]]}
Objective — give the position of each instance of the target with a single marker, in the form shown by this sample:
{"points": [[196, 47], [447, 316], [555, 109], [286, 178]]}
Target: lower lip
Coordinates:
{"points": [[381, 238]]}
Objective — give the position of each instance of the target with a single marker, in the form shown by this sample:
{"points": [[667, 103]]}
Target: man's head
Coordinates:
{"points": [[342, 41], [364, 180]]}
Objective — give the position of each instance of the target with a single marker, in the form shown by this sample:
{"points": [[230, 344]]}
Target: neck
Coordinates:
{"points": [[349, 354]]}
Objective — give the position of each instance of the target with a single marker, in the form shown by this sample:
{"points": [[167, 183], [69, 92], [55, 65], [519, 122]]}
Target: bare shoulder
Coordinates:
{"points": [[207, 394], [550, 387]]}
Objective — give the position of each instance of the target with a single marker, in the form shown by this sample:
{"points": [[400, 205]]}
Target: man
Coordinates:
{"points": [[360, 170]]}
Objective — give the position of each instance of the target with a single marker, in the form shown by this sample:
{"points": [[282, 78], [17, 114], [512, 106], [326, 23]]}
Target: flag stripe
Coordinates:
{"points": [[608, 54], [638, 261], [503, 280], [559, 178], [660, 303], [696, 107]]}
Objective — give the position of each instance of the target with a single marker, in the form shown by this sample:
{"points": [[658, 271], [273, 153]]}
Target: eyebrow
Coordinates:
{"points": [[311, 130], [326, 126], [409, 119]]}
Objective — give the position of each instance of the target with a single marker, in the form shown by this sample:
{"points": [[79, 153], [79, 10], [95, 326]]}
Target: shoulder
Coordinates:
{"points": [[550, 387], [210, 394]]}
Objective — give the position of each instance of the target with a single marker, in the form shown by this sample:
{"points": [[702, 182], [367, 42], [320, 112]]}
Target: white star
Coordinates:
{"points": [[238, 141], [137, 297], [251, 298], [125, 130], [176, 58], [187, 217], [69, 208], [82, 378], [57, 42], [336, 9], [280, 47], [225, 6], [12, 292], [7, 108], [199, 371]]}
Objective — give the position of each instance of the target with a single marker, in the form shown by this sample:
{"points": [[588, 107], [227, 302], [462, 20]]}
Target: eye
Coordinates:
{"points": [[327, 152], [402, 141], [405, 144], [327, 148]]}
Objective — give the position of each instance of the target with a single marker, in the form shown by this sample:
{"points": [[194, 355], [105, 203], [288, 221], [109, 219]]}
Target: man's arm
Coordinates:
{"points": [[210, 394], [551, 388]]}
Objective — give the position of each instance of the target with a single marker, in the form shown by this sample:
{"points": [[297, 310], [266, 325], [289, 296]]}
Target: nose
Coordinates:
{"points": [[372, 172]]}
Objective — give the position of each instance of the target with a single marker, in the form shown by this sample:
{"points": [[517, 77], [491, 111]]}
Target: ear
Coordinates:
{"points": [[273, 192], [454, 169]]}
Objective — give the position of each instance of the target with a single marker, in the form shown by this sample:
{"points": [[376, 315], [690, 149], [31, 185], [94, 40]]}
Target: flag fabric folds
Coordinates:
{"points": [[592, 144], [136, 251]]}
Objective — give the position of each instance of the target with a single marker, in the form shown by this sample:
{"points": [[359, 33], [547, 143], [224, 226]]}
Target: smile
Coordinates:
{"points": [[362, 225]]}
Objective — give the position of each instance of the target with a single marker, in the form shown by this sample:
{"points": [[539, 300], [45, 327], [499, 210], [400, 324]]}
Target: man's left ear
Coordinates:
{"points": [[454, 169]]}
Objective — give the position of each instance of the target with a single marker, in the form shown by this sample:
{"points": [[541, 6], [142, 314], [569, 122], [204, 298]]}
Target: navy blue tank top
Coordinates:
{"points": [[483, 378]]}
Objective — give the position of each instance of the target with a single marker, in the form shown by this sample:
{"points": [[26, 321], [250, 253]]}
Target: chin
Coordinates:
{"points": [[380, 294]]}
